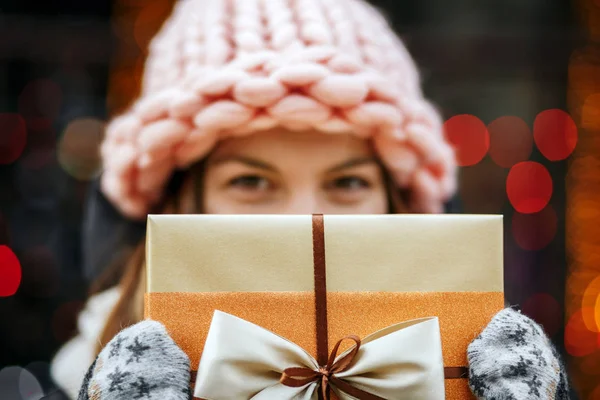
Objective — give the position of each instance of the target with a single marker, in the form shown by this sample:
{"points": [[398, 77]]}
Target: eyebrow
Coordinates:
{"points": [[252, 162], [352, 163]]}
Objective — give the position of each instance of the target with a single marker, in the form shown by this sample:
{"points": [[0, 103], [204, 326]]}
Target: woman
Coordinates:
{"points": [[263, 106]]}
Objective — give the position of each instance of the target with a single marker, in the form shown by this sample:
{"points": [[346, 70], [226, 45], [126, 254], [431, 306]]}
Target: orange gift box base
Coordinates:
{"points": [[462, 316]]}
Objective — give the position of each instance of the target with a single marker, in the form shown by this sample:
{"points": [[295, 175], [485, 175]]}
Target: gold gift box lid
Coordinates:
{"points": [[258, 253]]}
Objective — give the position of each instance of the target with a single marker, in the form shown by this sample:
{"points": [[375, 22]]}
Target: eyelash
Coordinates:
{"points": [[342, 183], [335, 184], [239, 181]]}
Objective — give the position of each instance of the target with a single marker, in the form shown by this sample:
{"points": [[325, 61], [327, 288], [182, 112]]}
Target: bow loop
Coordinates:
{"points": [[343, 363], [324, 376]]}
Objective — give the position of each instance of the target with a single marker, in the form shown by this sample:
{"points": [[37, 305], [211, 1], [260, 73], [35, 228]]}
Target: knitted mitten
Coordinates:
{"points": [[141, 362], [513, 359]]}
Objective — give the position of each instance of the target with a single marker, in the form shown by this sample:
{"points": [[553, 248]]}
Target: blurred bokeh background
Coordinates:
{"points": [[518, 83]]}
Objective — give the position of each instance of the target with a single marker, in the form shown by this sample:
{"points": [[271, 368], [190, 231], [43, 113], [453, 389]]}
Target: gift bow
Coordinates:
{"points": [[298, 377], [245, 361]]}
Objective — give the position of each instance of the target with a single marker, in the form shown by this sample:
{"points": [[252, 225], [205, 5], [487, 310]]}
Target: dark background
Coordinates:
{"points": [[486, 58]]}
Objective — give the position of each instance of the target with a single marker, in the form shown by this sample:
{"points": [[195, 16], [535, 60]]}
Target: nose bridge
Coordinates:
{"points": [[304, 200]]}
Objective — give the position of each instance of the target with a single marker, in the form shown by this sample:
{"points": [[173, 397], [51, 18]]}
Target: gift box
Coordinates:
{"points": [[291, 287]]}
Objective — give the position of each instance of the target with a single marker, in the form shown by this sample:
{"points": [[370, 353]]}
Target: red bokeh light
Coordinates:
{"points": [[529, 187], [534, 231], [13, 137], [469, 136], [580, 341], [544, 309], [511, 141], [555, 134], [40, 98], [10, 272]]}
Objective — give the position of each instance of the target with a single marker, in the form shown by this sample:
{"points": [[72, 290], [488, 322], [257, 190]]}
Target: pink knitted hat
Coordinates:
{"points": [[232, 67]]}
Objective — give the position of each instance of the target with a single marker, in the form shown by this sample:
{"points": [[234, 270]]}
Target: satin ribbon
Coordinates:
{"points": [[242, 360]]}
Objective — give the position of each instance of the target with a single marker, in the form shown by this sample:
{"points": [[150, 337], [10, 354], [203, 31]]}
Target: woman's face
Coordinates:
{"points": [[284, 172]]}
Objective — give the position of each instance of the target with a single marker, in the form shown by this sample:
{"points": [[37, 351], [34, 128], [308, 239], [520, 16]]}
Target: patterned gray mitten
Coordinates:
{"points": [[141, 362], [513, 359]]}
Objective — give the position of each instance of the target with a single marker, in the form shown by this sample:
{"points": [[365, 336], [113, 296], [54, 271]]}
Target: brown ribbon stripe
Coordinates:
{"points": [[320, 274]]}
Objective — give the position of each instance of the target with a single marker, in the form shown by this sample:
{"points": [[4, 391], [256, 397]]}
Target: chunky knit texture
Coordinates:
{"points": [[233, 67], [141, 362], [513, 359]]}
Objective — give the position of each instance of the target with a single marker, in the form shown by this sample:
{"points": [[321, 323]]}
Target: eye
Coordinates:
{"points": [[349, 183], [250, 182]]}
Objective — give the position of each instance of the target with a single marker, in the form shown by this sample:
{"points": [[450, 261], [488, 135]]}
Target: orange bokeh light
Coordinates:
{"points": [[591, 303], [590, 113], [583, 179], [579, 340]]}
